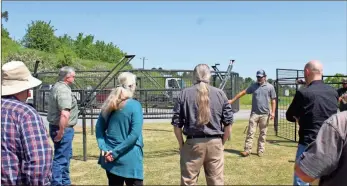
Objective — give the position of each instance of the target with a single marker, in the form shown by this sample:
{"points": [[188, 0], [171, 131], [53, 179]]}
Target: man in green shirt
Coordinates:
{"points": [[62, 117]]}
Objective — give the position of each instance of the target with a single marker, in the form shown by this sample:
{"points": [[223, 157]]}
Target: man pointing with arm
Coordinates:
{"points": [[262, 92]]}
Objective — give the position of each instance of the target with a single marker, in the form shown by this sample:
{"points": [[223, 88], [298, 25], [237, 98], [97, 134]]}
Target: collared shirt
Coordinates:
{"points": [[26, 154], [61, 98], [261, 96], [312, 105], [326, 157], [185, 112]]}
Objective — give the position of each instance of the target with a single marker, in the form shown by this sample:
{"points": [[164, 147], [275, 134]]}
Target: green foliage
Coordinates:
{"points": [[4, 15], [53, 52], [40, 35], [65, 56], [334, 81], [4, 32]]}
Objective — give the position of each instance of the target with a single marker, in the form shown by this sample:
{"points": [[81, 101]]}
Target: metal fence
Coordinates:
{"points": [[157, 90], [286, 85]]}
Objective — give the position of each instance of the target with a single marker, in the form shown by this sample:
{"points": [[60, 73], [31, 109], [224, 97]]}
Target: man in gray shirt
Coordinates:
{"points": [[326, 158], [62, 117], [262, 92]]}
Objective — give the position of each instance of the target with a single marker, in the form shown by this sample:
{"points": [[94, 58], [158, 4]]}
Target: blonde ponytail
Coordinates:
{"points": [[116, 99], [203, 100], [202, 75]]}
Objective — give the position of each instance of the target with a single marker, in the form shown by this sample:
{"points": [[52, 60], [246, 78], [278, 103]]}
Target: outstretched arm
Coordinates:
{"points": [[239, 95]]}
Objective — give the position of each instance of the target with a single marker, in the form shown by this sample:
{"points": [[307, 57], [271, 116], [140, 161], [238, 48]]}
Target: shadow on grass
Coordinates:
{"points": [[80, 157], [158, 130], [160, 154], [233, 151], [282, 143]]}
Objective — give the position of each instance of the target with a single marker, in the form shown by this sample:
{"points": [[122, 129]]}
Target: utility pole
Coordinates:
{"points": [[143, 62]]}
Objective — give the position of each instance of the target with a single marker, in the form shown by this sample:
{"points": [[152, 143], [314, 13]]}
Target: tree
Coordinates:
{"points": [[271, 81], [4, 31], [4, 15], [334, 81], [40, 35]]}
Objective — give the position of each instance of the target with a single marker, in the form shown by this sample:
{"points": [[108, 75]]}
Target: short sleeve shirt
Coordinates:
{"points": [[261, 96], [61, 98]]}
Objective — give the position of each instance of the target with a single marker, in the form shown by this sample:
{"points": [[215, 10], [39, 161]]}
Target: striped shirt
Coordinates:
{"points": [[26, 154]]}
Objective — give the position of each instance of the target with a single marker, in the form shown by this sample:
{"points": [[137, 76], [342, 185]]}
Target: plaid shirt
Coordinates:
{"points": [[26, 154]]}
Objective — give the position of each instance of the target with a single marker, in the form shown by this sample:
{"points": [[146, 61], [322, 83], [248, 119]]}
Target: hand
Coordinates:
{"points": [[108, 156], [59, 135], [181, 147], [272, 116], [297, 119], [231, 101]]}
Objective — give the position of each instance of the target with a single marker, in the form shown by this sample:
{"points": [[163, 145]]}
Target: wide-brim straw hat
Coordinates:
{"points": [[16, 78]]}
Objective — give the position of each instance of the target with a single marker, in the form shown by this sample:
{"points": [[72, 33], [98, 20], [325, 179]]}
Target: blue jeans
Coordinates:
{"points": [[62, 156], [297, 180]]}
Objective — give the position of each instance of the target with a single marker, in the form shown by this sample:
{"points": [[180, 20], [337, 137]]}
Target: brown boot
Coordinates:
{"points": [[244, 153]]}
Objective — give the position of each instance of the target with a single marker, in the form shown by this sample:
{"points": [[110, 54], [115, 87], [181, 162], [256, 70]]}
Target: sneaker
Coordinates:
{"points": [[244, 154]]}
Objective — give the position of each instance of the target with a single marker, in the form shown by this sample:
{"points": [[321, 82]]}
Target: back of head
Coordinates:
{"points": [[124, 90], [202, 75], [313, 71]]}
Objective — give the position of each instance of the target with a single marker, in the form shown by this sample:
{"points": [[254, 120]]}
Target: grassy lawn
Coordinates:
{"points": [[161, 162]]}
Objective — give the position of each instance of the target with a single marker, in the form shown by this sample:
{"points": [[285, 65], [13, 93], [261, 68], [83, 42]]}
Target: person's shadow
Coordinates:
{"points": [[232, 151]]}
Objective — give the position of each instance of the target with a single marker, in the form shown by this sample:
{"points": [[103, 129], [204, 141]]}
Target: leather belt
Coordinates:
{"points": [[204, 136]]}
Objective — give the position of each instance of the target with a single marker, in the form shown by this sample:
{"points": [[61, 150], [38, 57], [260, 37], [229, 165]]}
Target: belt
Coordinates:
{"points": [[204, 136], [69, 126]]}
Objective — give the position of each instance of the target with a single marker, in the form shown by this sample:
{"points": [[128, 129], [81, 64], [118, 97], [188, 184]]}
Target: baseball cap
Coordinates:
{"points": [[344, 80], [261, 73]]}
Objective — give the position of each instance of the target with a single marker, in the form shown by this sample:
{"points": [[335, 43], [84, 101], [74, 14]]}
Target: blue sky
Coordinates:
{"points": [[179, 35]]}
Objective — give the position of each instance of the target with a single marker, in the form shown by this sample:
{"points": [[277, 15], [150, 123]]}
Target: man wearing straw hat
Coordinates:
{"points": [[26, 154]]}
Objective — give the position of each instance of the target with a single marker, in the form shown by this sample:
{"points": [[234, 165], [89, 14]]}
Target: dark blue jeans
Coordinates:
{"points": [[62, 156]]}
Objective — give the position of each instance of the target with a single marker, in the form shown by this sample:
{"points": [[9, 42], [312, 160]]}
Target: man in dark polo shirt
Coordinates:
{"points": [[326, 158], [311, 106], [343, 95]]}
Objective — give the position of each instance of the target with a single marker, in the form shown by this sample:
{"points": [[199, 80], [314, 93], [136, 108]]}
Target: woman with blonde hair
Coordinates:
{"points": [[119, 134], [206, 117]]}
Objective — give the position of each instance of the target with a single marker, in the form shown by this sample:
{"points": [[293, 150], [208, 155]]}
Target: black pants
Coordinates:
{"points": [[114, 180]]}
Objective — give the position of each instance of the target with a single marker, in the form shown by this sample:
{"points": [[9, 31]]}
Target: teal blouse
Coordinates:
{"points": [[122, 134]]}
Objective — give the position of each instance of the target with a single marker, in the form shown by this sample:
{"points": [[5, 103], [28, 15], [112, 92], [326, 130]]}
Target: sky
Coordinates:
{"points": [[180, 35]]}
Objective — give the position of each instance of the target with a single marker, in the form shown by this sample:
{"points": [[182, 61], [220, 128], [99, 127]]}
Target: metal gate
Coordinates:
{"points": [[286, 85], [158, 89]]}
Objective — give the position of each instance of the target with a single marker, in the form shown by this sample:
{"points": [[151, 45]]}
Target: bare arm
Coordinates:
{"points": [[227, 132], [273, 106], [179, 136], [239, 95], [64, 119]]}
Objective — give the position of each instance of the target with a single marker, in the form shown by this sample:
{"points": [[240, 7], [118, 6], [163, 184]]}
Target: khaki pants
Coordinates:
{"points": [[254, 120], [198, 152]]}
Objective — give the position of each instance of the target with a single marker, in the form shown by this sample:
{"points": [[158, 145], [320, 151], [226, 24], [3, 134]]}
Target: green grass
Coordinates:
{"points": [[161, 159]]}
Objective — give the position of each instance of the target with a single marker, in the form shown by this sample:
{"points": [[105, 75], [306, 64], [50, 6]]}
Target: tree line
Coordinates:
{"points": [[40, 35]]}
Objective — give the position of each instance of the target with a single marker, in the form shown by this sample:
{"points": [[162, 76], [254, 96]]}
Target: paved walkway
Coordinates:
{"points": [[241, 115]]}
